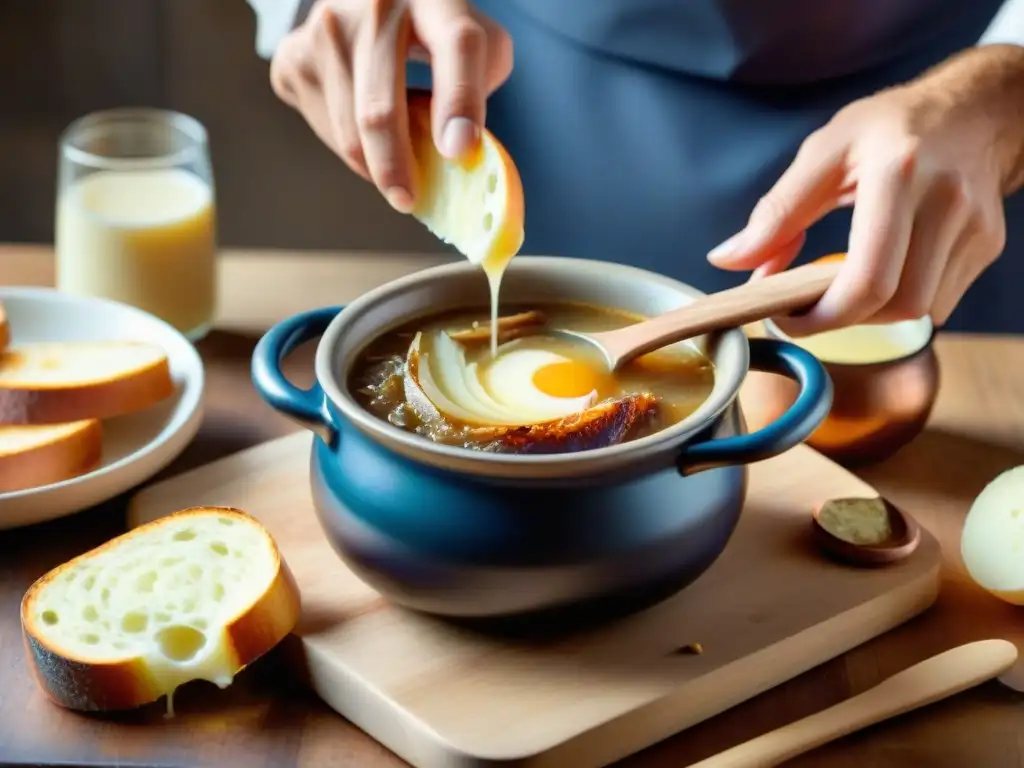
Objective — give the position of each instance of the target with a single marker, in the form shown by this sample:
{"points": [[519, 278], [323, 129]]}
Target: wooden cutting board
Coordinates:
{"points": [[769, 609]]}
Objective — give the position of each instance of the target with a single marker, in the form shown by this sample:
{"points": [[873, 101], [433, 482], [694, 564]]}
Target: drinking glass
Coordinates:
{"points": [[136, 215]]}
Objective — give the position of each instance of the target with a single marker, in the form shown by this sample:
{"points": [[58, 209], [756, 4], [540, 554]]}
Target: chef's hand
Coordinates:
{"points": [[925, 166], [343, 69]]}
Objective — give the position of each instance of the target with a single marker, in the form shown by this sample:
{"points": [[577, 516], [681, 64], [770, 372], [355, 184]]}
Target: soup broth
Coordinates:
{"points": [[646, 395]]}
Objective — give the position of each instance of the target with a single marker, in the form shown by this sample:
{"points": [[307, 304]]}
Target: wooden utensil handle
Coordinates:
{"points": [[772, 296], [936, 678]]}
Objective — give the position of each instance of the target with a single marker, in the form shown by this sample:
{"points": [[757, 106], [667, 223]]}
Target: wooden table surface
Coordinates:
{"points": [[266, 720]]}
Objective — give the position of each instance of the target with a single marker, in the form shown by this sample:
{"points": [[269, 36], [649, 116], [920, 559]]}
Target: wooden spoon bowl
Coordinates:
{"points": [[904, 536]]}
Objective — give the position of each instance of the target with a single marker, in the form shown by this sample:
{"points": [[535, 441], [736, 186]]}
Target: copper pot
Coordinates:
{"points": [[877, 407]]}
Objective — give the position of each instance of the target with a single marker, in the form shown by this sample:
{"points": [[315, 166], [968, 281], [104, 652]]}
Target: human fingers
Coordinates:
{"points": [[782, 258], [977, 247], [381, 112], [310, 72], [940, 218], [457, 42], [882, 221], [500, 55], [290, 64], [806, 191], [295, 80]]}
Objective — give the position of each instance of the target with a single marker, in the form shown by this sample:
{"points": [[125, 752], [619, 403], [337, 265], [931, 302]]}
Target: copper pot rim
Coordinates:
{"points": [[925, 348]]}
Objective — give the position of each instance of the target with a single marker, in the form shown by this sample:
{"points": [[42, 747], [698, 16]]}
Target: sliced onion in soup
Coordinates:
{"points": [[439, 380]]}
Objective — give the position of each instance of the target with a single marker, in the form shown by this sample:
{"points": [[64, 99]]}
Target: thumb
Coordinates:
{"points": [[805, 192], [499, 53], [470, 56]]}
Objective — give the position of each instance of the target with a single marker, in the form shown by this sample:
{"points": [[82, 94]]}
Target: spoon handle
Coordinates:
{"points": [[929, 681], [772, 296]]}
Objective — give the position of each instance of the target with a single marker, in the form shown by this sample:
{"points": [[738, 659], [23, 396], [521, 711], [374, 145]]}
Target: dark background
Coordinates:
{"points": [[277, 186]]}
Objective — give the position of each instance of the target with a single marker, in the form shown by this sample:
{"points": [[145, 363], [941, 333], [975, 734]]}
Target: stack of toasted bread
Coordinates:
{"points": [[56, 396], [197, 595]]}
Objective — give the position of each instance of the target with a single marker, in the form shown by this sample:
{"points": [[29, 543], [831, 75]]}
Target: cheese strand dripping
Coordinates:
{"points": [[474, 203]]}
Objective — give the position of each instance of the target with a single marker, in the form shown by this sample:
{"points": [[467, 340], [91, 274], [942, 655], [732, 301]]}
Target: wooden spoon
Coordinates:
{"points": [[929, 681], [779, 294]]}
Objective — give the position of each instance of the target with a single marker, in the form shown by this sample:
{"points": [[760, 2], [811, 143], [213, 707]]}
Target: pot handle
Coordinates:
{"points": [[303, 406], [791, 428]]}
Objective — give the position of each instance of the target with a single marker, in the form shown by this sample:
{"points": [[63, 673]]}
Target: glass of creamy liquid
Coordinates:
{"points": [[136, 216]]}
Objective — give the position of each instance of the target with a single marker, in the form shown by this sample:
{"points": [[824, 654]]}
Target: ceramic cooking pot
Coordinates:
{"points": [[462, 533]]}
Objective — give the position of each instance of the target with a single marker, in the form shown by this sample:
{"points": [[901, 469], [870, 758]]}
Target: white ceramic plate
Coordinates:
{"points": [[135, 447]]}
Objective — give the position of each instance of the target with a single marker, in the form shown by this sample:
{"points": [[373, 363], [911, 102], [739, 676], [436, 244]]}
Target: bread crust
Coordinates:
{"points": [[64, 456], [35, 403], [597, 427], [104, 685], [89, 687], [5, 329], [510, 237]]}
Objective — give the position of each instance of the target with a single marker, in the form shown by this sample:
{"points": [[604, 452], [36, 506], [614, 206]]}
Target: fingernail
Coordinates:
{"points": [[458, 137], [728, 249], [400, 199]]}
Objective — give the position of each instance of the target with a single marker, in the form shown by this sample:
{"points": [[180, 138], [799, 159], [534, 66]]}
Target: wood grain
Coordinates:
{"points": [[776, 295], [977, 430], [945, 674], [443, 697]]}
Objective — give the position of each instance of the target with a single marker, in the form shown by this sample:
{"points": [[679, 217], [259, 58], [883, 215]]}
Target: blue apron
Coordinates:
{"points": [[646, 130]]}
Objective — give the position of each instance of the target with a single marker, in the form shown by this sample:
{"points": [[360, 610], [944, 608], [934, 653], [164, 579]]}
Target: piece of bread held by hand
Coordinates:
{"points": [[5, 329], [475, 203], [36, 455], [58, 382], [197, 595]]}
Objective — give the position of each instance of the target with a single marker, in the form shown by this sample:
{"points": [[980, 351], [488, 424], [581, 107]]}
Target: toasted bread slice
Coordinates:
{"points": [[57, 382], [36, 455], [599, 426], [474, 203], [197, 595], [5, 329]]}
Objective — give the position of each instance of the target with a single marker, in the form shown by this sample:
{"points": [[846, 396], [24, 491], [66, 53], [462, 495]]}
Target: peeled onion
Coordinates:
{"points": [[992, 541]]}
